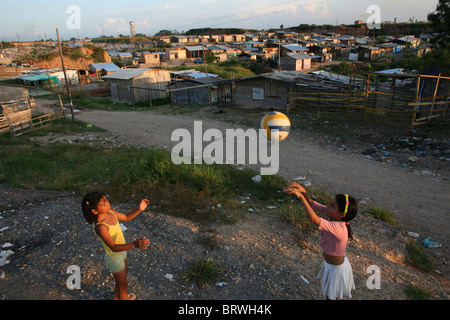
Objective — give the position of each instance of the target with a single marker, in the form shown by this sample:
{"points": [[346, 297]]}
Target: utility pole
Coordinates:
{"points": [[65, 76], [279, 54], [206, 71]]}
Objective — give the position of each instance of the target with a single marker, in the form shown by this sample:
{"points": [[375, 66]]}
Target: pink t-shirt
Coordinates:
{"points": [[334, 233]]}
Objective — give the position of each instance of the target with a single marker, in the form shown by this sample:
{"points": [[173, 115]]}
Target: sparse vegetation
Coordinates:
{"points": [[382, 214], [418, 258], [416, 293], [202, 272]]}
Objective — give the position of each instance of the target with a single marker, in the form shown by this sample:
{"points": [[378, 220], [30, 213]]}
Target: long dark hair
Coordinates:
{"points": [[352, 210], [89, 203]]}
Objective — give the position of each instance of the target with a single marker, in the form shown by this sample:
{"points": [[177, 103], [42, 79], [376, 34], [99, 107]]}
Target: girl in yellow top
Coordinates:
{"points": [[96, 208]]}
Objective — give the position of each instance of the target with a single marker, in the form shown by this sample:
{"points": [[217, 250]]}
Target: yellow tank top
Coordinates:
{"points": [[116, 233]]}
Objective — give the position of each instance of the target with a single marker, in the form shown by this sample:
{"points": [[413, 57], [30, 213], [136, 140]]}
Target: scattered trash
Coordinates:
{"points": [[413, 234], [253, 210], [4, 256], [257, 178], [221, 284], [272, 207], [168, 276], [430, 243], [7, 245], [123, 227], [301, 178], [304, 279], [307, 183], [369, 152]]}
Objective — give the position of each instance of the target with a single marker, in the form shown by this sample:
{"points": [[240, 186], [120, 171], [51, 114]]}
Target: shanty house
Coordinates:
{"points": [[369, 53], [199, 90], [174, 53], [193, 52], [149, 59], [296, 62], [133, 85], [272, 89]]}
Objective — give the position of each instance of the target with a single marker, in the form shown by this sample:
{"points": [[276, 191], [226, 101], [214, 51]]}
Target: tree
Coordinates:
{"points": [[440, 20]]}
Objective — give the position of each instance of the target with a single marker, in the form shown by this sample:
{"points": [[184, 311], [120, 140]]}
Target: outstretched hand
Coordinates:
{"points": [[295, 189], [144, 203]]}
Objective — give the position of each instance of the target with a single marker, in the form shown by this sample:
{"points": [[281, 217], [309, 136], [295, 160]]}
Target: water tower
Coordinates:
{"points": [[132, 31]]}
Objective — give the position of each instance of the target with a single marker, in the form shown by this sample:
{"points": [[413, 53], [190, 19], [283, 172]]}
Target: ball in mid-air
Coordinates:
{"points": [[275, 120]]}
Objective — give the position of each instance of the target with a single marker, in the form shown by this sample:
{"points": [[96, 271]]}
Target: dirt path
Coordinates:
{"points": [[421, 201]]}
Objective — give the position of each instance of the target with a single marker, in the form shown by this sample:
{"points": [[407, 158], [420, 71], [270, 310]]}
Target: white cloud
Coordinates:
{"points": [[169, 6], [115, 25]]}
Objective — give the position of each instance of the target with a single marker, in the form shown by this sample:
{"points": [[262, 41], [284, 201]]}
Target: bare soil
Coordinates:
{"points": [[261, 256]]}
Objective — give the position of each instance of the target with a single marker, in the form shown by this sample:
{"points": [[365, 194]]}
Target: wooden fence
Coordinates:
{"points": [[18, 119], [404, 105]]}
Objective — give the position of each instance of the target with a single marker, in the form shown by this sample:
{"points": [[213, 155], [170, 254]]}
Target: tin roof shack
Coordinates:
{"points": [[149, 59], [195, 91], [174, 53], [273, 89], [193, 52], [133, 85], [296, 62], [369, 53]]}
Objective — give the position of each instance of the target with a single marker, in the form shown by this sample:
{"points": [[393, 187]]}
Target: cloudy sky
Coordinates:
{"points": [[32, 20]]}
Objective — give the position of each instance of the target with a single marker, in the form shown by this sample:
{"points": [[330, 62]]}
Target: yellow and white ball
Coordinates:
{"points": [[276, 120]]}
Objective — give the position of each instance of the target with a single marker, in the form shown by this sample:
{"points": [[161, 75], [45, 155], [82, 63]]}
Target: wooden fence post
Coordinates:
{"points": [[434, 97]]}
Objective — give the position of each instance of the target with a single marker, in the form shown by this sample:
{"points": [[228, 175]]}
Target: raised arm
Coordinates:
{"points": [[297, 190], [130, 216]]}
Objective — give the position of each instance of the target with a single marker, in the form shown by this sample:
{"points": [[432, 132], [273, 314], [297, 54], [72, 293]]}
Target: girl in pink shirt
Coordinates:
{"points": [[336, 273]]}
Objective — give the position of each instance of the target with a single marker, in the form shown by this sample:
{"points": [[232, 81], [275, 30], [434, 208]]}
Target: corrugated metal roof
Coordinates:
{"points": [[299, 79], [107, 66], [295, 47], [126, 74], [300, 56], [198, 75], [194, 48]]}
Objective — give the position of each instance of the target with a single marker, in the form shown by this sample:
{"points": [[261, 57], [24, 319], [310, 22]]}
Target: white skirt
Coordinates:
{"points": [[337, 280]]}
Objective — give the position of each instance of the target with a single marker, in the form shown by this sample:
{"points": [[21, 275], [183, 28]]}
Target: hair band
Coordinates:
{"points": [[346, 204], [87, 202]]}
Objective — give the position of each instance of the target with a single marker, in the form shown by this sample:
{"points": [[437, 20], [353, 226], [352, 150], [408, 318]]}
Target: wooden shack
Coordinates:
{"points": [[296, 62], [274, 89], [15, 107], [133, 85], [201, 90]]}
